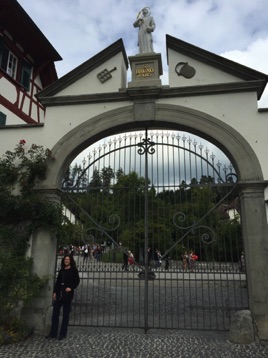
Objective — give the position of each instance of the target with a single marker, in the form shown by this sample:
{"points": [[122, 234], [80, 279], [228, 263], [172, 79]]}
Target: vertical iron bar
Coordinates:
{"points": [[146, 239]]}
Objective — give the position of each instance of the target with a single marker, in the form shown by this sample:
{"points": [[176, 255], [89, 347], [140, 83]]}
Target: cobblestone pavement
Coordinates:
{"points": [[134, 343]]}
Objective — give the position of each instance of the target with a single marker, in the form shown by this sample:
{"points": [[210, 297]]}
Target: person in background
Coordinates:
{"points": [[167, 264], [242, 262], [71, 249], [85, 253], [192, 259], [125, 261], [185, 260], [150, 255], [66, 282], [157, 258], [131, 260]]}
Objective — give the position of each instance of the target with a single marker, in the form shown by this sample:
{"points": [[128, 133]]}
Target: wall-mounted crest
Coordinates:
{"points": [[105, 75], [185, 70]]}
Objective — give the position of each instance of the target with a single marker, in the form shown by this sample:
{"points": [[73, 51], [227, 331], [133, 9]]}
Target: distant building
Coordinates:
{"points": [[231, 211]]}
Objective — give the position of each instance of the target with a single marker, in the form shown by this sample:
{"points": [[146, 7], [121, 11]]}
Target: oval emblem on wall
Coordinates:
{"points": [[185, 70]]}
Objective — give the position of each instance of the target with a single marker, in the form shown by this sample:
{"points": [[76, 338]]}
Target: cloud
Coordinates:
{"points": [[79, 29], [254, 56]]}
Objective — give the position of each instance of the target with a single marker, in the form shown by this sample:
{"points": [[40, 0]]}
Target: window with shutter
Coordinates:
{"points": [[26, 70], [2, 119], [4, 58], [12, 65], [1, 46], [8, 62]]}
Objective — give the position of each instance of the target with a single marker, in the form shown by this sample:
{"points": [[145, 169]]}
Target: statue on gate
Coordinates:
{"points": [[146, 26]]}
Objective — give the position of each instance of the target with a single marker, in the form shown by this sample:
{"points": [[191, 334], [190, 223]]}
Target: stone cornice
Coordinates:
{"points": [[130, 94], [14, 126], [252, 186]]}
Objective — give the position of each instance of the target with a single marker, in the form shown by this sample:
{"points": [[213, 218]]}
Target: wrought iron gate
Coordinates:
{"points": [[166, 200]]}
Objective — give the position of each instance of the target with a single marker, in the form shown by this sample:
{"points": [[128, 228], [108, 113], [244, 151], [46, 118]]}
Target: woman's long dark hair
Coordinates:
{"points": [[72, 262]]}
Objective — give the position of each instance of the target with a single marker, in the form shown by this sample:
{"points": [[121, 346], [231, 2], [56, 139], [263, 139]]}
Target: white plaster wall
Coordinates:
{"points": [[13, 119], [10, 120], [38, 83], [205, 74], [90, 83], [237, 110], [240, 112], [8, 90], [59, 121]]}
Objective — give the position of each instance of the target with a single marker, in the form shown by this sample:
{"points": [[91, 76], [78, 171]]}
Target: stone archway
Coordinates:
{"points": [[151, 114], [158, 116]]}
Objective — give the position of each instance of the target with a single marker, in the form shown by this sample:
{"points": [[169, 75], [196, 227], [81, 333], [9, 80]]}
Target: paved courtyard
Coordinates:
{"points": [[133, 343]]}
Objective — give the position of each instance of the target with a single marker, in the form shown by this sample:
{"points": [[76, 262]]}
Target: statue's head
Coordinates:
{"points": [[146, 11]]}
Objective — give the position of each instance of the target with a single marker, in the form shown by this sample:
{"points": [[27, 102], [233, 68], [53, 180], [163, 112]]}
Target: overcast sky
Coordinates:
{"points": [[79, 29]]}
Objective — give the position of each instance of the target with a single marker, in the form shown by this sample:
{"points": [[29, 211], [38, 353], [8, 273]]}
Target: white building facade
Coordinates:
{"points": [[207, 95]]}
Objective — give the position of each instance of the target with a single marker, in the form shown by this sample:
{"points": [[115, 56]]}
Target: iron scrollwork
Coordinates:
{"points": [[206, 238], [146, 146], [113, 219], [231, 178]]}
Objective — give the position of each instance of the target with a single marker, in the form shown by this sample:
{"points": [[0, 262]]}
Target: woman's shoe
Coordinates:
{"points": [[50, 336], [60, 338]]}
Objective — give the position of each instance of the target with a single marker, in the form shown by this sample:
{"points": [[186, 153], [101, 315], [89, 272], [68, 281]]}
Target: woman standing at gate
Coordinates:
{"points": [[67, 281]]}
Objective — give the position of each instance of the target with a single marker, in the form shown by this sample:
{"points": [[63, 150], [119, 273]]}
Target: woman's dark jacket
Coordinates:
{"points": [[66, 278]]}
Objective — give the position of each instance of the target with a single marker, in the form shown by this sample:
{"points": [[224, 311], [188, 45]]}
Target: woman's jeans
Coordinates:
{"points": [[56, 315]]}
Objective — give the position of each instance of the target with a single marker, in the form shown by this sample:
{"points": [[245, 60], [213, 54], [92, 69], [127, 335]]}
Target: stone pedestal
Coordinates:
{"points": [[255, 234], [146, 69], [242, 328]]}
